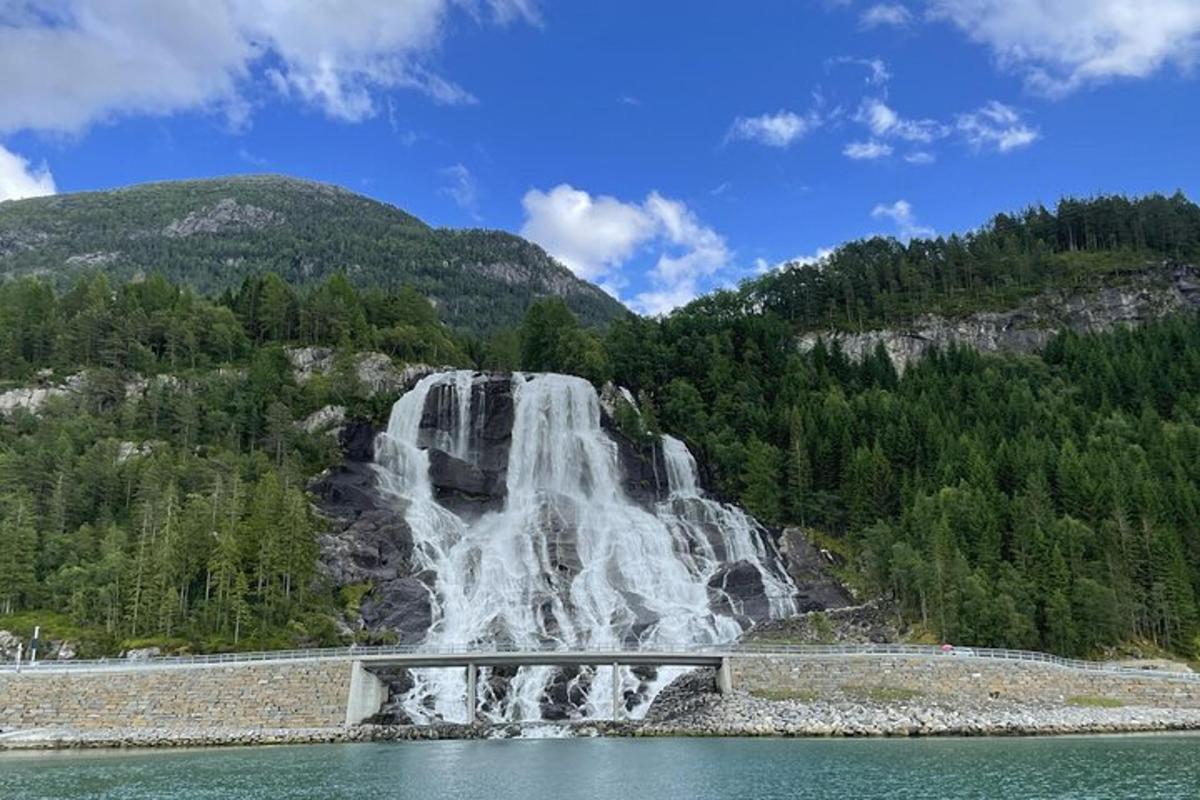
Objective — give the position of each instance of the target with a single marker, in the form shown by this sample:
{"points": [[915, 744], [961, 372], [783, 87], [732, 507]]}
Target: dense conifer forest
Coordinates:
{"points": [[1048, 501]]}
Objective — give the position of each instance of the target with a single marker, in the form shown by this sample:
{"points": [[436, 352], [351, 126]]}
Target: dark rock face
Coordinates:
{"points": [[470, 487], [737, 590], [402, 605], [465, 488], [357, 439], [370, 541], [644, 475], [808, 566]]}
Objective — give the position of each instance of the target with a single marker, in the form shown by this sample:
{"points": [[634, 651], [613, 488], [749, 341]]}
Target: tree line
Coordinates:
{"points": [[163, 497], [1045, 502]]}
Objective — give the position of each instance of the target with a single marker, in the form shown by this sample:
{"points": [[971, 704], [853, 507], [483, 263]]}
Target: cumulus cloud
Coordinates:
{"points": [[868, 150], [901, 213], [596, 236], [920, 157], [775, 130], [885, 15], [1062, 45], [70, 63], [18, 179], [462, 188], [996, 126]]}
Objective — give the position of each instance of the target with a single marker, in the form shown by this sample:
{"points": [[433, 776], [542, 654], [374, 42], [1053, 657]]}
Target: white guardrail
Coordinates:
{"points": [[381, 652]]}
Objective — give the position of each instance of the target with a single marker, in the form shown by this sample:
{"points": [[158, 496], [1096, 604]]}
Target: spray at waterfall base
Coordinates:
{"points": [[562, 553]]}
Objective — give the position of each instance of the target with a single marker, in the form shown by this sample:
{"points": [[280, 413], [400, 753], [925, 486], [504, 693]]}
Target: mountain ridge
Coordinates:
{"points": [[212, 233]]}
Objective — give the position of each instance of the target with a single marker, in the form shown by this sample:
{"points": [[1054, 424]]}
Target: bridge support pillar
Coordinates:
{"points": [[724, 676], [366, 696], [472, 691], [617, 698]]}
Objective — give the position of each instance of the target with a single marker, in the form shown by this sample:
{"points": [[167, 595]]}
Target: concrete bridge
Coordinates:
{"points": [[367, 693], [471, 661], [337, 685]]}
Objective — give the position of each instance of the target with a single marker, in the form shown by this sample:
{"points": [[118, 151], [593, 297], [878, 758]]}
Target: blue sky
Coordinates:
{"points": [[658, 148]]}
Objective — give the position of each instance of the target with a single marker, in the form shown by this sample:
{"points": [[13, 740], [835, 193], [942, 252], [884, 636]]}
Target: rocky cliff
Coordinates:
{"points": [[1141, 297], [371, 543]]}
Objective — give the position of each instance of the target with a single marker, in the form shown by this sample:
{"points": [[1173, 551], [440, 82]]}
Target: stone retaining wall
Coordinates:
{"points": [[278, 695], [958, 678]]}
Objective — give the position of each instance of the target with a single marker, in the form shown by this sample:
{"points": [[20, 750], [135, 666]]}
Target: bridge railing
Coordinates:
{"points": [[382, 652]]}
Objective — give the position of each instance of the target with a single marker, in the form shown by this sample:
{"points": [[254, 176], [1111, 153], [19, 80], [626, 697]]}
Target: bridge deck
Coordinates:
{"points": [[688, 655], [544, 658]]}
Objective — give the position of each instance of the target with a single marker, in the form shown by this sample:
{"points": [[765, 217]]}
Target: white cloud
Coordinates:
{"points": [[996, 126], [884, 121], [775, 130], [877, 71], [19, 180], [920, 157], [462, 188], [1062, 45], [868, 150], [762, 266], [901, 213], [595, 236], [885, 14], [76, 62]]}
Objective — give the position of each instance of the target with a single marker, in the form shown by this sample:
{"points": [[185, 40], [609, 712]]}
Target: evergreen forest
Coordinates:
{"points": [[1047, 501]]}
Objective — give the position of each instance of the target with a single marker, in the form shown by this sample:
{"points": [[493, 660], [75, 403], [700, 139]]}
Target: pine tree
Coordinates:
{"points": [[18, 556]]}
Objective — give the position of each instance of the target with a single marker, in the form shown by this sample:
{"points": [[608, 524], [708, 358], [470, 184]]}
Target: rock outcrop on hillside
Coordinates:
{"points": [[1146, 296]]}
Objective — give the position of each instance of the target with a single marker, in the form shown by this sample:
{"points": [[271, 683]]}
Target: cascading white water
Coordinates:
{"points": [[569, 561]]}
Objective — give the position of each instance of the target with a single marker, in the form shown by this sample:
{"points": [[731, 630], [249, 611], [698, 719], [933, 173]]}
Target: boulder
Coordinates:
{"points": [[8, 646], [323, 419], [143, 653]]}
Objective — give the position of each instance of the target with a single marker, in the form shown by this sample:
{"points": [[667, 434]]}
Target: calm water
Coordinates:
{"points": [[623, 769]]}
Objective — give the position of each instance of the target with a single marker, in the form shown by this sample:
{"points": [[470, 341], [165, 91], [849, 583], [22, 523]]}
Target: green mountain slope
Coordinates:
{"points": [[211, 234]]}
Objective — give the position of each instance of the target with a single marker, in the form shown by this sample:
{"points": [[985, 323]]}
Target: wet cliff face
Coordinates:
{"points": [[370, 542], [509, 509], [1147, 296]]}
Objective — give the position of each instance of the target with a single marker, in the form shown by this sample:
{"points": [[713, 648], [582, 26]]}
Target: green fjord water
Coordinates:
{"points": [[1073, 768]]}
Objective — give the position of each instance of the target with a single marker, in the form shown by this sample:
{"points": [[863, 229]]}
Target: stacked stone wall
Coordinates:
{"points": [[278, 695], [959, 677]]}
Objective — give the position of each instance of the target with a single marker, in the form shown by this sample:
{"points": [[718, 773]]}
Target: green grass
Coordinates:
{"points": [[803, 695], [1090, 701], [55, 625], [880, 694]]}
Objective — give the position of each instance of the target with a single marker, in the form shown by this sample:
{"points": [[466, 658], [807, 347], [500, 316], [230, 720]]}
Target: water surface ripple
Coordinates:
{"points": [[1070, 768]]}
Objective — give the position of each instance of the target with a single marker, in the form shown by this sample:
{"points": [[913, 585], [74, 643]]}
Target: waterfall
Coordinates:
{"points": [[569, 560]]}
